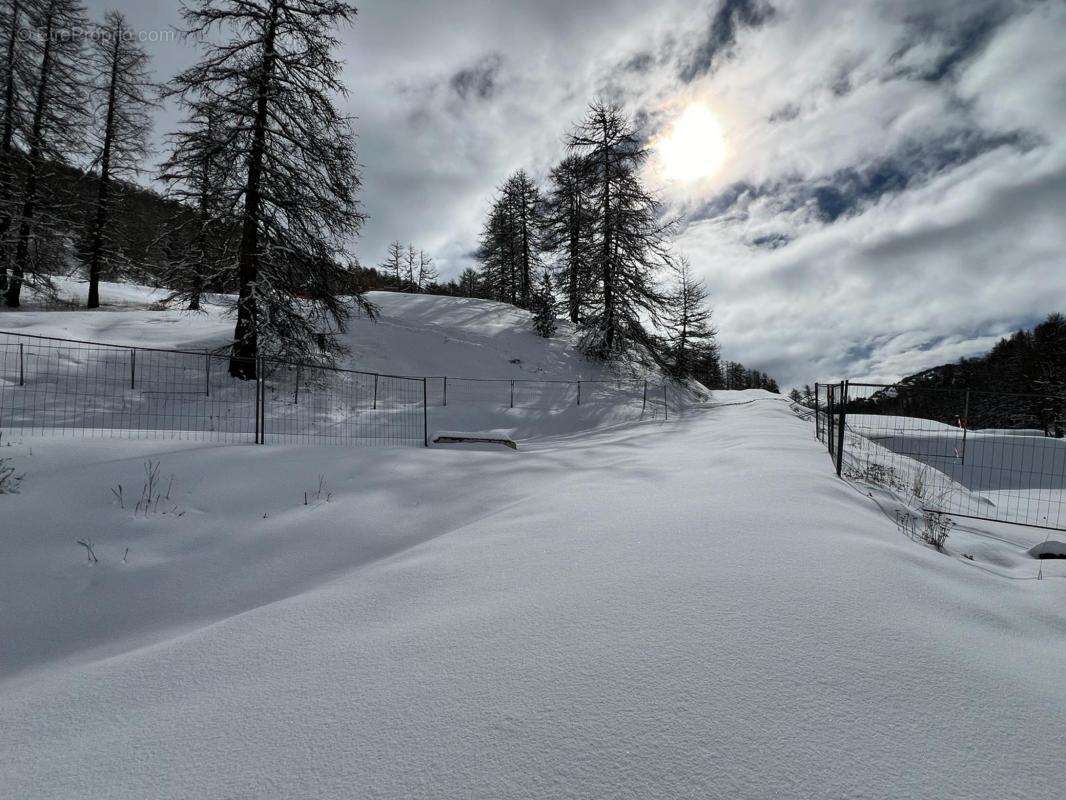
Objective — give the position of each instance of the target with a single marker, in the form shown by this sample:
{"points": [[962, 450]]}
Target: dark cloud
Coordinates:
{"points": [[480, 81], [721, 34], [771, 241], [851, 189], [786, 113], [958, 40]]}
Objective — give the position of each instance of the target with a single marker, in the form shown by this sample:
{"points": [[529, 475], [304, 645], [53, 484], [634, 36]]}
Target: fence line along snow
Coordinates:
{"points": [[88, 389], [970, 453], [69, 387]]}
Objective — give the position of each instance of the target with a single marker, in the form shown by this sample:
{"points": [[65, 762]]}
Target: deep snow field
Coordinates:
{"points": [[628, 608]]}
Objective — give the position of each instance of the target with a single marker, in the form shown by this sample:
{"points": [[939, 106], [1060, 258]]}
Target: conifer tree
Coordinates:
{"points": [[199, 176], [568, 221], [427, 273], [630, 234], [273, 79], [121, 105], [688, 321], [393, 265], [544, 306], [55, 123], [14, 81]]}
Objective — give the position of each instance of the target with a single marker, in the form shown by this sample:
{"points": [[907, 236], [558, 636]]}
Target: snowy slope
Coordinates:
{"points": [[480, 346], [419, 335], [692, 609]]}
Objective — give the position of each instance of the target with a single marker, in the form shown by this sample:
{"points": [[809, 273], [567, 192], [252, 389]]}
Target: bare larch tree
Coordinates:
{"points": [[199, 176], [630, 234], [568, 221], [121, 105], [273, 79], [688, 322], [14, 74], [56, 125]]}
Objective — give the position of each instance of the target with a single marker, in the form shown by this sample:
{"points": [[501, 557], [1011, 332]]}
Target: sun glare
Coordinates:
{"points": [[694, 147]]}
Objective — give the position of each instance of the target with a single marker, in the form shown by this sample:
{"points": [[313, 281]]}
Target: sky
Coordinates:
{"points": [[888, 189]]}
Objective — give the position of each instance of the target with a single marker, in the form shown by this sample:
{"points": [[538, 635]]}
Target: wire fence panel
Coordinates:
{"points": [[88, 389], [970, 453], [307, 403], [55, 387]]}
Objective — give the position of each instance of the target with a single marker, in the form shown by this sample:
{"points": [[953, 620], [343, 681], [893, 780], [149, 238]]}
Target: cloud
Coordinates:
{"points": [[480, 81], [721, 35], [892, 198]]}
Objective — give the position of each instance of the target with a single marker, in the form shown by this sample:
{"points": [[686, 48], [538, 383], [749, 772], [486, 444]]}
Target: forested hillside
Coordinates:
{"points": [[1020, 382]]}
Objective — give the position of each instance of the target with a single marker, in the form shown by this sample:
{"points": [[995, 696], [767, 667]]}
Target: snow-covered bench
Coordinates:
{"points": [[464, 437]]}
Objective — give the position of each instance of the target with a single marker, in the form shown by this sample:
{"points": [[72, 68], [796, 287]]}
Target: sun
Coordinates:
{"points": [[694, 147]]}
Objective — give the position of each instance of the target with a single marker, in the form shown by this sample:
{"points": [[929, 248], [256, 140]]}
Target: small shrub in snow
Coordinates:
{"points": [[918, 483], [936, 528], [90, 555], [933, 530], [318, 494], [152, 492], [9, 480]]}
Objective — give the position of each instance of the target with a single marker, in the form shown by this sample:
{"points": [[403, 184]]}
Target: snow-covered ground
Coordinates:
{"points": [[647, 609], [500, 376]]}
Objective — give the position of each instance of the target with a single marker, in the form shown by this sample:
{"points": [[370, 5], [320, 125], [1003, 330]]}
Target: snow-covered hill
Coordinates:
{"points": [[692, 608], [486, 370]]}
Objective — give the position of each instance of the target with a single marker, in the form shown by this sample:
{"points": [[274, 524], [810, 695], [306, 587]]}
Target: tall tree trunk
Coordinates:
{"points": [[246, 336], [6, 138], [29, 206], [525, 253], [103, 189], [575, 259], [608, 272]]}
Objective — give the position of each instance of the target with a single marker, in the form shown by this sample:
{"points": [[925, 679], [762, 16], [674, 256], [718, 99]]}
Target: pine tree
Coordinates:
{"points": [[15, 78], [543, 306], [524, 202], [688, 321], [272, 82], [199, 176], [630, 234], [496, 254], [469, 283], [568, 221], [121, 109], [55, 134], [510, 249]]}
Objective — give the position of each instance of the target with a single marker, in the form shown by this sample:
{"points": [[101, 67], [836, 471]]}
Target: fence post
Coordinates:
{"points": [[830, 422], [375, 391], [22, 369], [258, 401], [666, 405], [843, 425], [133, 369], [296, 393], [512, 392], [445, 391], [817, 419], [207, 374], [644, 405], [579, 392], [965, 425], [425, 416]]}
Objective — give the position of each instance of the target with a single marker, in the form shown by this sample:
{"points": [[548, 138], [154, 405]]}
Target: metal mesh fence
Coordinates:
{"points": [[970, 453], [64, 387], [652, 399], [89, 390]]}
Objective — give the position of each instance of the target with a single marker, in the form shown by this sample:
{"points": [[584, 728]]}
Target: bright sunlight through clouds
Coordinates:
{"points": [[694, 147]]}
